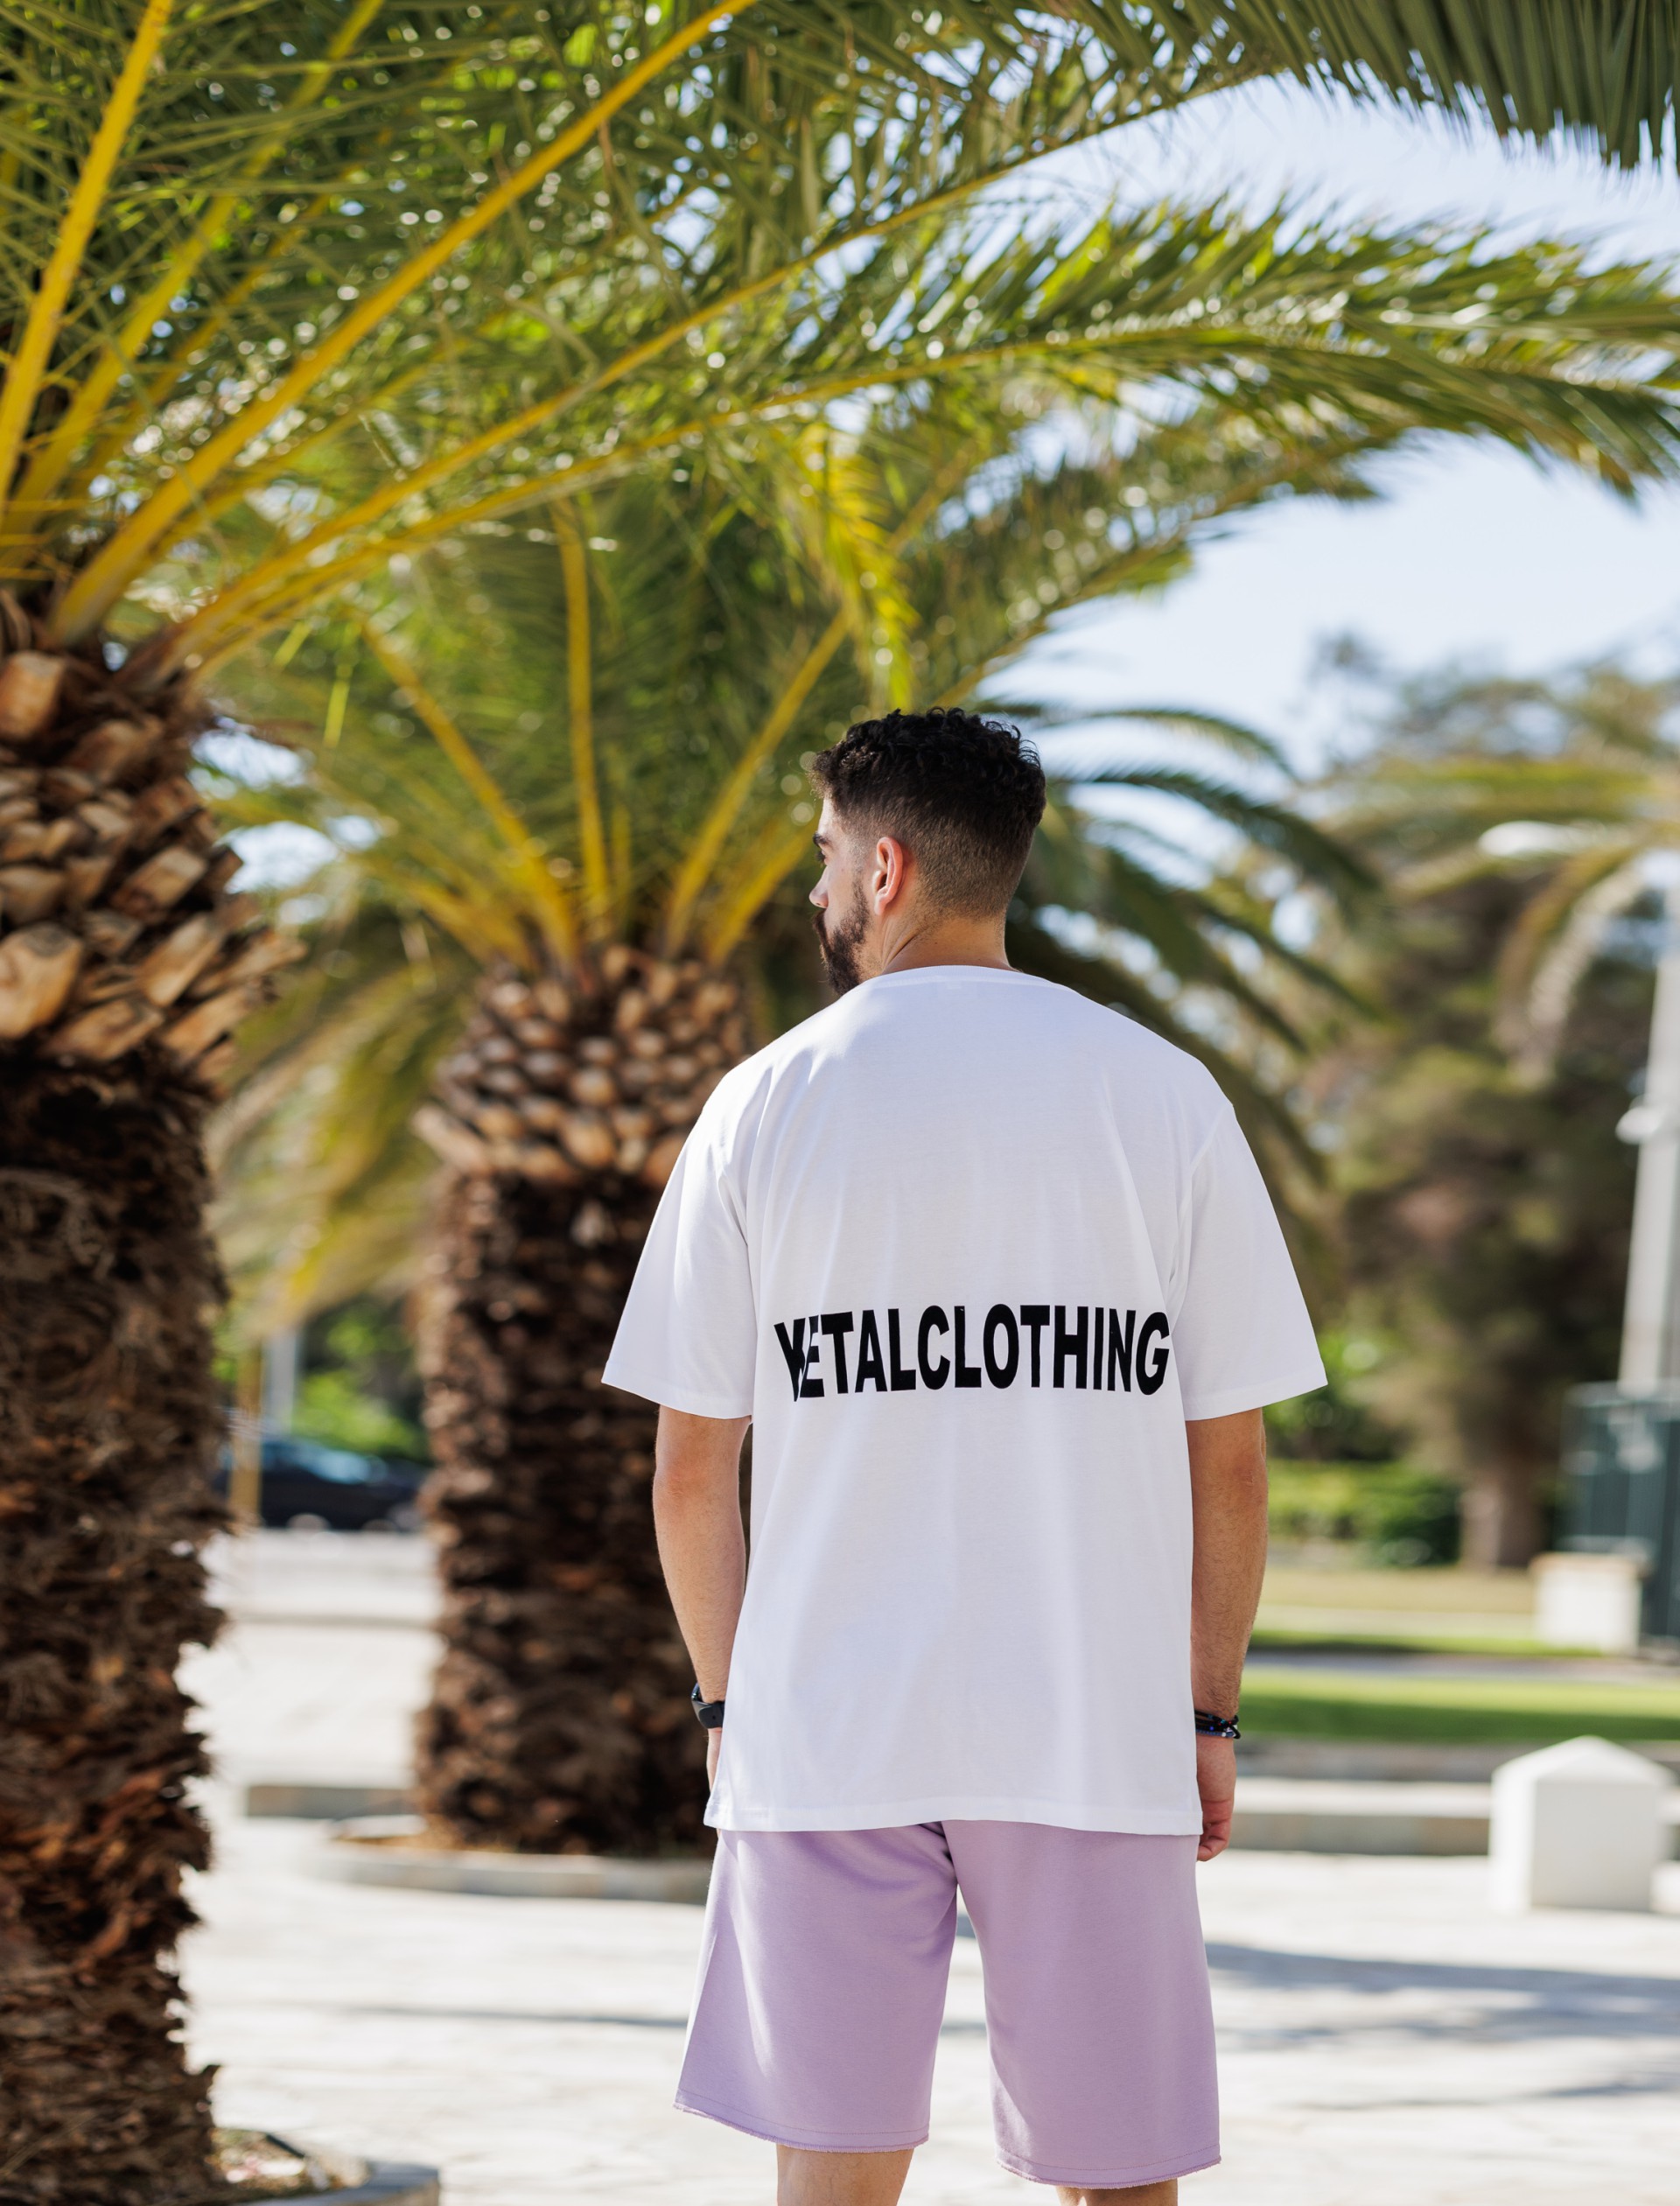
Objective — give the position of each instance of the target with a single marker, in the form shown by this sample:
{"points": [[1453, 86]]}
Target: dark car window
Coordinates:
{"points": [[337, 1465]]}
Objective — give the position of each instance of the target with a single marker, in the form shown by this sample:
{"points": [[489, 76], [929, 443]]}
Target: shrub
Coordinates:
{"points": [[1400, 1515]]}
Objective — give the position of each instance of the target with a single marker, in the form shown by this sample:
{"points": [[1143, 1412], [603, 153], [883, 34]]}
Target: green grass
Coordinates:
{"points": [[1412, 1642], [1347, 1584], [1317, 1703]]}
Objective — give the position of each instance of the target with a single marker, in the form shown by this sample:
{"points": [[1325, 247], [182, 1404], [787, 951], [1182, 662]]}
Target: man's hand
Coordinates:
{"points": [[1216, 1781]]}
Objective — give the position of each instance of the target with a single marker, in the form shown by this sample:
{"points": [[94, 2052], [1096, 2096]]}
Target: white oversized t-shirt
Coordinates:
{"points": [[970, 1249]]}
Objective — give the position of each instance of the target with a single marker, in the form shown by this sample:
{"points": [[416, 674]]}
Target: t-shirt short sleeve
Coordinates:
{"points": [[688, 1337], [1242, 1330]]}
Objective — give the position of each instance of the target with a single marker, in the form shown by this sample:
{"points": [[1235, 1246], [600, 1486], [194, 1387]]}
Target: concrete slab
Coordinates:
{"points": [[312, 1703], [383, 1849], [362, 1578], [1306, 1814]]}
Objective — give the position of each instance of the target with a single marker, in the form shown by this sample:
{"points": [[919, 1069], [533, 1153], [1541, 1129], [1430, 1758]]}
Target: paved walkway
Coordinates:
{"points": [[1387, 2040]]}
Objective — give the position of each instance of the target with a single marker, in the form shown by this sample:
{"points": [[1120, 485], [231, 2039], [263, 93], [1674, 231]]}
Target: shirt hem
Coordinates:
{"points": [[886, 1815], [1256, 1395]]}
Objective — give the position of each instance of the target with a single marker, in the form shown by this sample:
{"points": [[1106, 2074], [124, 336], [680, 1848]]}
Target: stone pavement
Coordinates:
{"points": [[1386, 2040], [325, 1660]]}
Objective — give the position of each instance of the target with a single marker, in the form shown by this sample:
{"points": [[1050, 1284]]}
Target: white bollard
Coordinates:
{"points": [[1588, 1601], [1579, 1825]]}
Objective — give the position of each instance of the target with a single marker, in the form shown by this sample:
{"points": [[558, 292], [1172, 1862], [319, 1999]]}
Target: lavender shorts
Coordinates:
{"points": [[822, 1978]]}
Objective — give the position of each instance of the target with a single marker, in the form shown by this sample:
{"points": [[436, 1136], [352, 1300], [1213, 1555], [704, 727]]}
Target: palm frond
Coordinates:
{"points": [[1321, 858], [1214, 728]]}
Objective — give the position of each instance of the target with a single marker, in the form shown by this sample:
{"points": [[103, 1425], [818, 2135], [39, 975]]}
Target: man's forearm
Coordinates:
{"points": [[1228, 1487], [701, 1543]]}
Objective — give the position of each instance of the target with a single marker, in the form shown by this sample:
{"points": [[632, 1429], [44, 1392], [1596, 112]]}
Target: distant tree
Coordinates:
{"points": [[1484, 1201]]}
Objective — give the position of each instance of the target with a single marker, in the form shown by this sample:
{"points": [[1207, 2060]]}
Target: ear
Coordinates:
{"points": [[889, 874]]}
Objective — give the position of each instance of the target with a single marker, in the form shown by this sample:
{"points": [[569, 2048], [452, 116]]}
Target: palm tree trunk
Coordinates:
{"points": [[109, 1416], [559, 1719], [124, 965]]}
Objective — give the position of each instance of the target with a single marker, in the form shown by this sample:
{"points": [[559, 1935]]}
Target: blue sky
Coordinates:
{"points": [[1474, 556]]}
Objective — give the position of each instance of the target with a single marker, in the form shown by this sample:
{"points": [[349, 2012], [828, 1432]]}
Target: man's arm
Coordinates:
{"points": [[702, 1546], [1228, 1497]]}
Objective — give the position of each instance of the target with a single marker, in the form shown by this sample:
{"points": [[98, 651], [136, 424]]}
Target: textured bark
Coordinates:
{"points": [[124, 965], [108, 1415], [118, 929], [559, 1719]]}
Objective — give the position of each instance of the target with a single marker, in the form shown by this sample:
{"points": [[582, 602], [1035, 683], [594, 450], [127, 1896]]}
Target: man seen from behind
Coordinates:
{"points": [[992, 1272]]}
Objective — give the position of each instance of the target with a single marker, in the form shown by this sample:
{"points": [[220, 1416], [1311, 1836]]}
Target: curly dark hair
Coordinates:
{"points": [[961, 794]]}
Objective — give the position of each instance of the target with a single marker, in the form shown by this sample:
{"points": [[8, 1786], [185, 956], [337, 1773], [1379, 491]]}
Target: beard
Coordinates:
{"points": [[839, 941]]}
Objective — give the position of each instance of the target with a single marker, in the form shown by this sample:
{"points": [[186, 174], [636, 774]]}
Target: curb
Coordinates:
{"points": [[349, 1852], [1316, 1815], [305, 1801], [363, 2182], [389, 2183]]}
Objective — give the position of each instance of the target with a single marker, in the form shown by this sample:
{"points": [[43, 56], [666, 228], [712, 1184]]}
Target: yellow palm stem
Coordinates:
{"points": [[220, 628], [105, 578], [338, 703], [401, 488], [482, 928], [780, 849], [226, 309], [692, 874], [550, 904], [253, 605], [696, 868], [52, 462], [239, 486], [580, 718], [441, 850], [623, 871], [467, 879], [29, 363]]}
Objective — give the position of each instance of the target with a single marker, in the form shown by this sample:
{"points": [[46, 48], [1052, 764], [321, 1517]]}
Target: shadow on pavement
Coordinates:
{"points": [[1465, 1998]]}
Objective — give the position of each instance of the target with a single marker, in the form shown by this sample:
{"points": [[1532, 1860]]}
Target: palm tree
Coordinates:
{"points": [[1484, 1200], [1568, 789], [243, 249], [235, 241], [538, 929]]}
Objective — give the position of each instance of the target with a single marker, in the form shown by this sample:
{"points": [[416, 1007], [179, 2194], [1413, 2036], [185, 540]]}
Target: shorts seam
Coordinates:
{"points": [[752, 2125], [1187, 2163]]}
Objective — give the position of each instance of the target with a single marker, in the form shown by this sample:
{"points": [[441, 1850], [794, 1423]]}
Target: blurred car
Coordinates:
{"points": [[309, 1487]]}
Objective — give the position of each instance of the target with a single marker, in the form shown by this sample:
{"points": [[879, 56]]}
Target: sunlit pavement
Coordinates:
{"points": [[1388, 2041], [1386, 2038], [324, 1660]]}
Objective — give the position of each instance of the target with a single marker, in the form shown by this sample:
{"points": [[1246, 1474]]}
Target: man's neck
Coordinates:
{"points": [[946, 942]]}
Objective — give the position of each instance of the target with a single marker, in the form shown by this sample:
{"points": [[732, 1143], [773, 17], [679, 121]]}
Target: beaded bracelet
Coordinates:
{"points": [[1212, 1727]]}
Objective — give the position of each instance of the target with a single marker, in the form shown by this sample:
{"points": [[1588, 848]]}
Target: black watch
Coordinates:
{"points": [[1212, 1726], [710, 1712]]}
